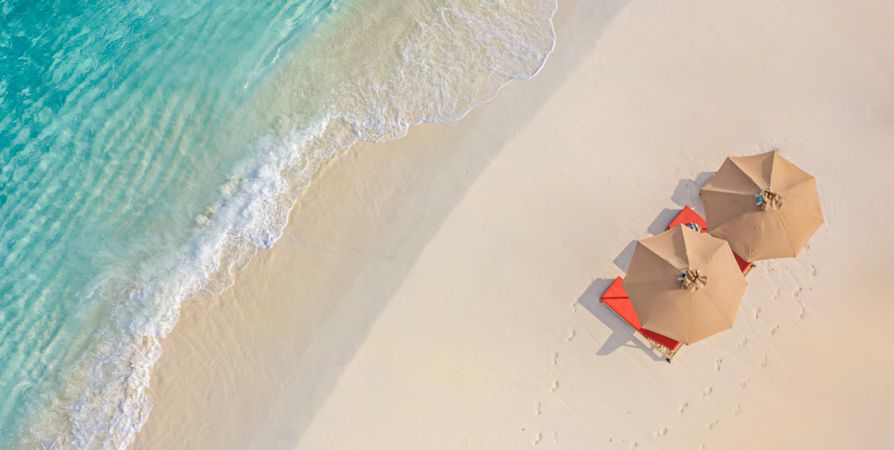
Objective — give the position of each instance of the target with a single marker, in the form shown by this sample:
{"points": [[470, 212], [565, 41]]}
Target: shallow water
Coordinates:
{"points": [[148, 149]]}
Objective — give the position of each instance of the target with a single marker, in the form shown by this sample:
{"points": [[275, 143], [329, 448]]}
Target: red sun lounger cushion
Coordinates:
{"points": [[616, 299]]}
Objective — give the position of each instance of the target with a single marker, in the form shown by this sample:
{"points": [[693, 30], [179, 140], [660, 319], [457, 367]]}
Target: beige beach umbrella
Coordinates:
{"points": [[684, 284], [763, 205]]}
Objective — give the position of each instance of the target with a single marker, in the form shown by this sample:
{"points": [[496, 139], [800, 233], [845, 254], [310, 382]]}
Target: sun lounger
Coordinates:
{"points": [[687, 216], [615, 298]]}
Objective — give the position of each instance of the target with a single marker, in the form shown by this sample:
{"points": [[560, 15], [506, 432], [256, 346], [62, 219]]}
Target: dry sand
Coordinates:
{"points": [[440, 291]]}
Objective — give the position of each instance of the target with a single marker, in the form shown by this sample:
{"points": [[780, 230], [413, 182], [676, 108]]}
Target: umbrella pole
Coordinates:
{"points": [[673, 353]]}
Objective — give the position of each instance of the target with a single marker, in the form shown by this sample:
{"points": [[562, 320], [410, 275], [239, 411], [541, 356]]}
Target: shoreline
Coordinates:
{"points": [[330, 90], [452, 284]]}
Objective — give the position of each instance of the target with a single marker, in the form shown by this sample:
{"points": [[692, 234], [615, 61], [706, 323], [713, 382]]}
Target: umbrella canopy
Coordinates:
{"points": [[684, 284], [763, 205]]}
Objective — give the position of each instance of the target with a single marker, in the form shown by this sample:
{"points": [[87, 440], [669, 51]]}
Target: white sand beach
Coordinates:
{"points": [[441, 291]]}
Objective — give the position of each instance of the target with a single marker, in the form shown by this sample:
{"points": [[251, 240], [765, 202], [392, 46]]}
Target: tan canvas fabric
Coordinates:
{"points": [[666, 302], [785, 222]]}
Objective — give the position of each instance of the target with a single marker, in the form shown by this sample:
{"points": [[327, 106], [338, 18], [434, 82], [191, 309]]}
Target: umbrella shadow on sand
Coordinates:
{"points": [[622, 333], [687, 192]]}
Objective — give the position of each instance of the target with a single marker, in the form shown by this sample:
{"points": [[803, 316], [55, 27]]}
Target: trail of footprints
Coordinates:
{"points": [[737, 410], [553, 387], [801, 313], [713, 423], [706, 392], [718, 365], [538, 438]]}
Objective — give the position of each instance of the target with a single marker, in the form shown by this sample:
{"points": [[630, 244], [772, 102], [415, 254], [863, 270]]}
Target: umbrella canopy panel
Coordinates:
{"points": [[684, 284], [763, 205]]}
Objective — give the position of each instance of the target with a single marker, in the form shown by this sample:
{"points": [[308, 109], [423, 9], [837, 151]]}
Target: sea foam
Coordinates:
{"points": [[334, 88]]}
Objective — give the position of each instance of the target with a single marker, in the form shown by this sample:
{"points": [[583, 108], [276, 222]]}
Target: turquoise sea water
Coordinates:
{"points": [[149, 148]]}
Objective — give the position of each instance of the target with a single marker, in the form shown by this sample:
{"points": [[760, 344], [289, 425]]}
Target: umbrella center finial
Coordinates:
{"points": [[769, 200], [693, 279]]}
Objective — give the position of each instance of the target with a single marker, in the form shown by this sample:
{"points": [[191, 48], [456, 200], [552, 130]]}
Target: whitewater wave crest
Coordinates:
{"points": [[443, 62]]}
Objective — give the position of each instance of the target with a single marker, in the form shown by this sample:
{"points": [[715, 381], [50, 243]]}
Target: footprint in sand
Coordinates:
{"points": [[738, 409], [555, 386], [757, 313], [539, 408], [797, 293], [717, 364], [538, 438], [802, 312], [634, 445], [571, 334], [812, 270], [556, 358], [683, 407], [764, 361], [661, 432], [776, 294], [707, 391], [774, 330], [713, 424], [742, 342]]}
